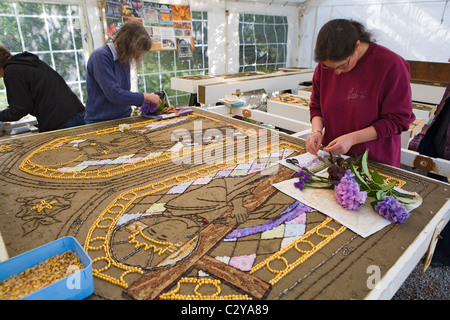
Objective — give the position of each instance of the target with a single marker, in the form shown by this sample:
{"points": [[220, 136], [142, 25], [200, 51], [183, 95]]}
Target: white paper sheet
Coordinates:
{"points": [[363, 222]]}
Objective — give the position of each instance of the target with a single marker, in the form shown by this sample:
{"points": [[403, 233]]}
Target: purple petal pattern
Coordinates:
{"points": [[348, 193], [392, 210]]}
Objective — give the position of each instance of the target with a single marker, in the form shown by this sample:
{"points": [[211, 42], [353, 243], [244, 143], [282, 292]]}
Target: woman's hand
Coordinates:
{"points": [[342, 144], [338, 146], [313, 142], [153, 98]]}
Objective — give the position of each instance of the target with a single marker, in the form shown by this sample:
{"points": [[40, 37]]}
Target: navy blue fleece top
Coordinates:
{"points": [[108, 86]]}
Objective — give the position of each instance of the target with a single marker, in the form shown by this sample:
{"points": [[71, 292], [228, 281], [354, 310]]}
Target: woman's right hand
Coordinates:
{"points": [[153, 98], [313, 143]]}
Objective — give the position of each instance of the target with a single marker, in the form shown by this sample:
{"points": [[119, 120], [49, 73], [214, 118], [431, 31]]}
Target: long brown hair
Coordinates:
{"points": [[337, 39], [131, 40]]}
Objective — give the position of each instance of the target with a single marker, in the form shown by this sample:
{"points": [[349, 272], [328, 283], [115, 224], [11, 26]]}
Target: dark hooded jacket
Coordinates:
{"points": [[33, 87], [436, 142]]}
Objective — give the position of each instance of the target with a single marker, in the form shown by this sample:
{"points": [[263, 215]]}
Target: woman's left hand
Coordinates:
{"points": [[340, 145]]}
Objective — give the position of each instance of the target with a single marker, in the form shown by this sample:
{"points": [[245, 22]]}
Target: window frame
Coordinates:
{"points": [[77, 51], [249, 42]]}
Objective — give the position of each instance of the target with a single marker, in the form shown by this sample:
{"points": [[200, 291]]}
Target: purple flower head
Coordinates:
{"points": [[299, 184], [300, 173], [303, 178], [392, 210], [148, 108], [348, 193]]}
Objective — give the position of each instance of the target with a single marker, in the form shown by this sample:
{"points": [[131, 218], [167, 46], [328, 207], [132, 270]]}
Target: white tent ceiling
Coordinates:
{"points": [[277, 2]]}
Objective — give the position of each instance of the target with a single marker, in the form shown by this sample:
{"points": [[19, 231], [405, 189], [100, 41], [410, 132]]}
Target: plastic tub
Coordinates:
{"points": [[76, 286]]}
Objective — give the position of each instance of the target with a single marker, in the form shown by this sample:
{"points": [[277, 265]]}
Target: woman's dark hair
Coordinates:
{"points": [[4, 56], [131, 39], [337, 39]]}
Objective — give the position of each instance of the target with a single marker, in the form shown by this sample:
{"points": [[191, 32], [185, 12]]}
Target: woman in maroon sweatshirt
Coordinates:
{"points": [[361, 95]]}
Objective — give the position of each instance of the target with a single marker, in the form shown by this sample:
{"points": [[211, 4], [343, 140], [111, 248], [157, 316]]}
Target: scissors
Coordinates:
{"points": [[295, 162], [292, 161]]}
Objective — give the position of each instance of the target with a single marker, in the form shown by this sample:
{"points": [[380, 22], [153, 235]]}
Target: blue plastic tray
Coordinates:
{"points": [[76, 286]]}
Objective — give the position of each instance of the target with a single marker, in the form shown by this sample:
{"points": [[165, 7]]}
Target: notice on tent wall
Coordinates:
{"points": [[169, 26]]}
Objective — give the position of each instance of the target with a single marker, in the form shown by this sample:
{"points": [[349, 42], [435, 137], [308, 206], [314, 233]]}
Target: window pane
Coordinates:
{"points": [[248, 68], [259, 34], [196, 15], [279, 20], [249, 18], [34, 35], [205, 33], [29, 8], [141, 84], [183, 64], [83, 90], [281, 56], [74, 87], [273, 52], [270, 33], [3, 99], [66, 65], [181, 99], [10, 32], [249, 54], [6, 8], [197, 25], [269, 19], [261, 54], [165, 82], [152, 83], [77, 33], [167, 60], [241, 55], [259, 19], [56, 9], [281, 31], [151, 63], [52, 32], [46, 57], [82, 65], [248, 33], [197, 59], [59, 34]]}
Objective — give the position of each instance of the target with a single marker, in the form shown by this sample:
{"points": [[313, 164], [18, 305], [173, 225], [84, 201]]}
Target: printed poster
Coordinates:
{"points": [[168, 25]]}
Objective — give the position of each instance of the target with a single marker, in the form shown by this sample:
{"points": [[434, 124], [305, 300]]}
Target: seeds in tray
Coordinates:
{"points": [[41, 275]]}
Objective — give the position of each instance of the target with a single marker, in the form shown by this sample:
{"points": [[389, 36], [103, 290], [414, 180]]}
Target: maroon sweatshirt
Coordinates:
{"points": [[376, 92]]}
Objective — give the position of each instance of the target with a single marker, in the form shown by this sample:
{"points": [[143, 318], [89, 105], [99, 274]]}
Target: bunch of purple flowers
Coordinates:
{"points": [[353, 184], [348, 193], [148, 108], [392, 210], [307, 179]]}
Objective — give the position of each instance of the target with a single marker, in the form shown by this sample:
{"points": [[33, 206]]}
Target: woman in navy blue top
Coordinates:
{"points": [[108, 78]]}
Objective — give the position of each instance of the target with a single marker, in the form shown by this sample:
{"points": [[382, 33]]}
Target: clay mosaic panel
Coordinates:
{"points": [[160, 222]]}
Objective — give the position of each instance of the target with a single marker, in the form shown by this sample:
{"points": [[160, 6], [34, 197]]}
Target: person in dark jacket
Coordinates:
{"points": [[436, 144], [33, 87]]}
